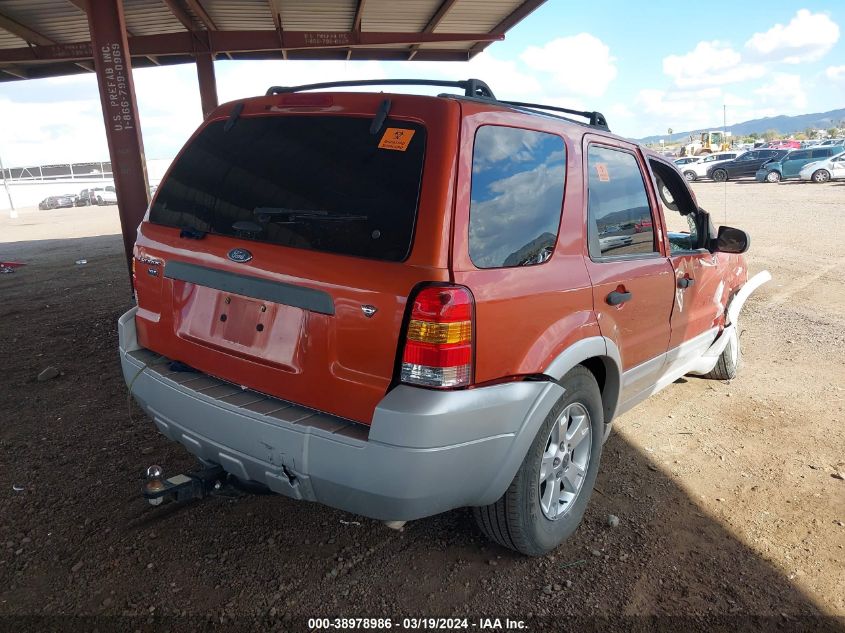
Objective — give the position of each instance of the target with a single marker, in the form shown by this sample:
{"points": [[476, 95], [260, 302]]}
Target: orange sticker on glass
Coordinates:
{"points": [[396, 138], [601, 170]]}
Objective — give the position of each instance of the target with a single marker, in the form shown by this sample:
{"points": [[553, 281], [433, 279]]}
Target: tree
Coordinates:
{"points": [[832, 131], [753, 136], [771, 135]]}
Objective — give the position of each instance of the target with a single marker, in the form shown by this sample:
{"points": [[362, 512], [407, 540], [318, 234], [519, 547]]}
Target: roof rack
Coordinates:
{"points": [[473, 88], [596, 119]]}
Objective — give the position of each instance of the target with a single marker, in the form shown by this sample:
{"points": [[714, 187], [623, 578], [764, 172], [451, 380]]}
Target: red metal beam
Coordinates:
{"points": [[120, 114], [180, 14], [207, 82], [435, 20], [202, 14], [356, 22], [82, 5], [241, 41], [359, 16], [519, 14]]}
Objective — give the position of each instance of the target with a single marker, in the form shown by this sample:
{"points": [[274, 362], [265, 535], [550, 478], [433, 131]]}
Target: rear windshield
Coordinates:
{"points": [[316, 182]]}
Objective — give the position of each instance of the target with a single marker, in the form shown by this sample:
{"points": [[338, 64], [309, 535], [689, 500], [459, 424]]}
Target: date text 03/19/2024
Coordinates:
{"points": [[416, 624]]}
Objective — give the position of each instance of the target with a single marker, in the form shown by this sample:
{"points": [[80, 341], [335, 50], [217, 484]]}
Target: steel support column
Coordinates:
{"points": [[207, 81], [120, 112]]}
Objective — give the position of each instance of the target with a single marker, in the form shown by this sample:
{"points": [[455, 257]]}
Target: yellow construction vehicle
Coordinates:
{"points": [[707, 143]]}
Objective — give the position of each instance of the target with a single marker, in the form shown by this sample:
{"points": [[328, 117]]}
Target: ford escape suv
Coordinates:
{"points": [[397, 305]]}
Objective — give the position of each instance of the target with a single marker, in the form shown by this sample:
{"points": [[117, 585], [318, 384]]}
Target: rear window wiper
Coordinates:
{"points": [[265, 214], [191, 233]]}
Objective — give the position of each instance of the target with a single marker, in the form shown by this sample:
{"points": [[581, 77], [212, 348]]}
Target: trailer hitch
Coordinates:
{"points": [[193, 485]]}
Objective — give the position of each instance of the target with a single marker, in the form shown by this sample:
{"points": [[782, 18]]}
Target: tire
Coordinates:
{"points": [[729, 361], [720, 175], [690, 176], [773, 176], [519, 520], [821, 175]]}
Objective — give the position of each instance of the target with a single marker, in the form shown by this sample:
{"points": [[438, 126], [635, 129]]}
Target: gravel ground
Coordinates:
{"points": [[731, 515]]}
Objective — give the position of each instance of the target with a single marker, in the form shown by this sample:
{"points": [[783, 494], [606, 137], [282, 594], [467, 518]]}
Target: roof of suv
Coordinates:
{"points": [[474, 90]]}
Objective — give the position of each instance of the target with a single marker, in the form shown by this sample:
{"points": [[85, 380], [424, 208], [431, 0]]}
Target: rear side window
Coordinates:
{"points": [[821, 153], [516, 196], [798, 155], [311, 182], [620, 222]]}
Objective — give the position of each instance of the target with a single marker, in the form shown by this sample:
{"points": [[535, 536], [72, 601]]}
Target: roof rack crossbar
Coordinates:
{"points": [[471, 87], [596, 118]]}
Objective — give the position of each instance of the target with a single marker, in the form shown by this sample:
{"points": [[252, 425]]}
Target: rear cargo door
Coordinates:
{"points": [[287, 253]]}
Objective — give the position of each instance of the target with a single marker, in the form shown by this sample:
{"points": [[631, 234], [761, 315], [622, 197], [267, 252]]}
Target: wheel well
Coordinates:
{"points": [[606, 373]]}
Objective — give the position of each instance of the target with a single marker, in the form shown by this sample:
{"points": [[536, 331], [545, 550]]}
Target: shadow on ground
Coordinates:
{"points": [[77, 539]]}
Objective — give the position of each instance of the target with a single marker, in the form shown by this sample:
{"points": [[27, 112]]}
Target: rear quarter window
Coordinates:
{"points": [[516, 197], [320, 183]]}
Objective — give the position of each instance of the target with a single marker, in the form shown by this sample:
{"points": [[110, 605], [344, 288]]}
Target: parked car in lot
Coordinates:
{"points": [[378, 306], [697, 170], [686, 160], [104, 195], [832, 141], [86, 197], [832, 168], [745, 165], [789, 166], [56, 202], [784, 144], [97, 195]]}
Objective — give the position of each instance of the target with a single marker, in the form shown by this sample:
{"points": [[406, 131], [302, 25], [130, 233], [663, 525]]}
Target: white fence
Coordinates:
{"points": [[27, 189]]}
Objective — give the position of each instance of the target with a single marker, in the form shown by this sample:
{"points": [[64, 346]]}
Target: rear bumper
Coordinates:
{"points": [[426, 451]]}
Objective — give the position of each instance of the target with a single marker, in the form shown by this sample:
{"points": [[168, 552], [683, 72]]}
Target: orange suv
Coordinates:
{"points": [[397, 305]]}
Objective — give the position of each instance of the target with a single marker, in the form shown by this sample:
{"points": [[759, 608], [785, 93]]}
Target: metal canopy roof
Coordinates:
{"points": [[43, 38]]}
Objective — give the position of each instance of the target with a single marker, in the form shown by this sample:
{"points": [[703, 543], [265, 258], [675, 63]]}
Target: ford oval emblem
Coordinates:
{"points": [[240, 255]]}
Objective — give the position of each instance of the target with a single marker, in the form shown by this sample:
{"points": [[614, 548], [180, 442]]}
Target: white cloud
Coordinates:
{"points": [[807, 37], [784, 91], [580, 65], [835, 73], [710, 64]]}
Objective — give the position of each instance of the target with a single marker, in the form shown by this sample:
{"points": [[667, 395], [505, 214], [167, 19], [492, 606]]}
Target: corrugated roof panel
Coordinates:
{"points": [[63, 22], [56, 20], [462, 46], [476, 16], [245, 15], [7, 40], [318, 15], [384, 15], [148, 17]]}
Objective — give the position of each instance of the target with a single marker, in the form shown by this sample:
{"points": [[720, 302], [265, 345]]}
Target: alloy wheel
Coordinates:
{"points": [[565, 461]]}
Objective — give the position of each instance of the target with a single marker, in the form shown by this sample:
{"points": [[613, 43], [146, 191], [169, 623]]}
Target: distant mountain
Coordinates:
{"points": [[783, 124], [531, 250]]}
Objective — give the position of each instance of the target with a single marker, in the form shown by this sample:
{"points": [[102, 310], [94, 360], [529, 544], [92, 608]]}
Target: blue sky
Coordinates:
{"points": [[647, 65]]}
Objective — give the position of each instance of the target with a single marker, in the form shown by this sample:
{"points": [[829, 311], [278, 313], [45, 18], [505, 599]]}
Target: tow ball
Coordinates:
{"points": [[193, 485]]}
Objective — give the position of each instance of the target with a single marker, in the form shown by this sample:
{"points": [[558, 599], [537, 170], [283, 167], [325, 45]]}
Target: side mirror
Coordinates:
{"points": [[731, 240]]}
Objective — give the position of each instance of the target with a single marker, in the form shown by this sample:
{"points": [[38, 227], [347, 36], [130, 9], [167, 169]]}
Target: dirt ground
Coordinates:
{"points": [[731, 513]]}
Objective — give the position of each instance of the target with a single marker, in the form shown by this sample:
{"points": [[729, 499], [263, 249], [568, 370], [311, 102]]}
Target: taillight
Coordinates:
{"points": [[438, 344], [134, 280]]}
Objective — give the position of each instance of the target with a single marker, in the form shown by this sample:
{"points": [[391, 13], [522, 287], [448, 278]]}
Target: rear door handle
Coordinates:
{"points": [[616, 298], [685, 282]]}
